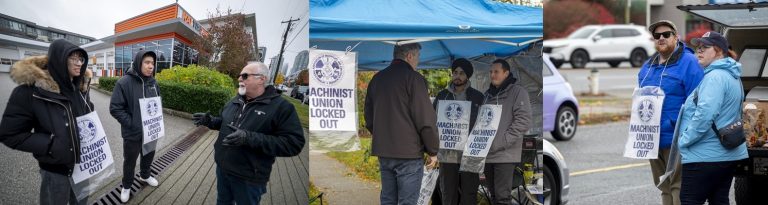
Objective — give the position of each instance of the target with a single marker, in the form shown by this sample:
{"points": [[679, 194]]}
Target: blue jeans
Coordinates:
{"points": [[400, 180], [707, 181], [235, 189]]}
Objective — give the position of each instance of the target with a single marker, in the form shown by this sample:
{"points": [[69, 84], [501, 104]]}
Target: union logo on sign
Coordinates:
{"points": [[152, 108], [486, 116], [327, 69], [87, 130], [454, 112], [645, 110]]}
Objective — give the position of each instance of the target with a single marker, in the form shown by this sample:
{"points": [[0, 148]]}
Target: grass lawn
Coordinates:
{"points": [[302, 110], [365, 169], [313, 192]]}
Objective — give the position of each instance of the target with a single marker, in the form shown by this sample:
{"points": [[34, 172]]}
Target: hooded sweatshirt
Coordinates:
{"points": [[679, 79], [719, 100], [124, 104], [48, 102]]}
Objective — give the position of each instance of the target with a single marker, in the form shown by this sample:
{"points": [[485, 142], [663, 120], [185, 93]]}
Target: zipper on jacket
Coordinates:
{"points": [[240, 117], [70, 119]]}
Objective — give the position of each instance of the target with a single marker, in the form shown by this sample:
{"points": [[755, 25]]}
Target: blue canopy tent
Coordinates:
{"points": [[446, 29]]}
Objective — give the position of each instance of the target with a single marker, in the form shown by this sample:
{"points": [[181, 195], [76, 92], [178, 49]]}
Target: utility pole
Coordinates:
{"points": [[282, 47]]}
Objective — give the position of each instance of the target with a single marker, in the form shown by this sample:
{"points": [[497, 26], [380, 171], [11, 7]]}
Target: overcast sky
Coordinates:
{"points": [[97, 18]]}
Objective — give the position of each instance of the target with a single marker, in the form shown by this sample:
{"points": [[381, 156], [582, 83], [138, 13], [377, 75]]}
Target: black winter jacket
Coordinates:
{"points": [[41, 111], [274, 125], [124, 105]]}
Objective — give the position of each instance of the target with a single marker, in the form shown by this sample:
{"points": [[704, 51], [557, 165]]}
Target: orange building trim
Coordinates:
{"points": [[156, 37], [152, 17]]}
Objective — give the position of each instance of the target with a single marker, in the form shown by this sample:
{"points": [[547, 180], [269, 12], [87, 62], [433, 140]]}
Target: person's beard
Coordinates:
{"points": [[665, 49], [458, 82], [241, 89]]}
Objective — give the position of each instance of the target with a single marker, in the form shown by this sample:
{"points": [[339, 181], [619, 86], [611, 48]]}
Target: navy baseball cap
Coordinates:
{"points": [[712, 39]]}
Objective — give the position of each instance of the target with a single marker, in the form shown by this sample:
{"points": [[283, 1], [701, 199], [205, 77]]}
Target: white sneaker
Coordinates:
{"points": [[125, 195], [151, 181]]}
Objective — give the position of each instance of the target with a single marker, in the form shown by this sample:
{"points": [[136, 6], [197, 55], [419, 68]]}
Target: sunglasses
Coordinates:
{"points": [[245, 75], [666, 34]]}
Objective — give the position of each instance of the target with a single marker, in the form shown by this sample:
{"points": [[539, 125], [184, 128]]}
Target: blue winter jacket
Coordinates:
{"points": [[680, 78], [719, 99]]}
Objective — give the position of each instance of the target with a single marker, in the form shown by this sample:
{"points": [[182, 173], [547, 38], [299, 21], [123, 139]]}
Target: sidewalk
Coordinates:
{"points": [[339, 185], [190, 178]]}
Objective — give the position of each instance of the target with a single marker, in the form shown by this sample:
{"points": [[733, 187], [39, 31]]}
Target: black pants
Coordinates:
{"points": [[499, 180], [457, 187], [132, 150], [706, 181]]}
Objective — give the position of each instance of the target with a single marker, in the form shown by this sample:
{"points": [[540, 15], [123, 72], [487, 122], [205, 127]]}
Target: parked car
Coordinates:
{"points": [[745, 26], [601, 43], [556, 176], [561, 108]]}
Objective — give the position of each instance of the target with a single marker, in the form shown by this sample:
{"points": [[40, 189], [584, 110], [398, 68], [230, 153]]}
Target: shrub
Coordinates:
{"points": [[197, 75], [107, 83], [194, 98]]}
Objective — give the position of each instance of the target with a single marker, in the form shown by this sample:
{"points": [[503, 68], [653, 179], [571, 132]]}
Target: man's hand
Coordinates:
{"points": [[202, 118], [432, 162], [237, 138]]}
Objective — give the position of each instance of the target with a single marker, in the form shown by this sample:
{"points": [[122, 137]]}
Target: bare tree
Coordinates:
{"points": [[226, 46]]}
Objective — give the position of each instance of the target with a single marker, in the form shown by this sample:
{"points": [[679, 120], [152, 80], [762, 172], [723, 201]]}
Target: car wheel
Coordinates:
{"points": [[614, 64], [637, 57], [552, 197], [579, 59], [566, 121]]}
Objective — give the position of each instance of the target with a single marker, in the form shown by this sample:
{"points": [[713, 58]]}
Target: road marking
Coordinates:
{"points": [[605, 169]]}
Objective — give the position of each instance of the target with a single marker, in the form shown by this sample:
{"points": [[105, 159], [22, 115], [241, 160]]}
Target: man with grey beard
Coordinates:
{"points": [[254, 128], [675, 69]]}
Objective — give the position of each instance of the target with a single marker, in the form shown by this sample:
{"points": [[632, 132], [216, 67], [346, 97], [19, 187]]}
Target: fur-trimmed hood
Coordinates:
{"points": [[33, 71]]}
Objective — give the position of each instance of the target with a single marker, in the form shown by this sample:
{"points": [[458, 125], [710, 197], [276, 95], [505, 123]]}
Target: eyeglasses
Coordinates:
{"points": [[666, 34], [245, 75], [76, 60], [701, 49]]}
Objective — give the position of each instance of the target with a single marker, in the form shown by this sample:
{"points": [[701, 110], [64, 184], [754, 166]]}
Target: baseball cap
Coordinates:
{"points": [[662, 23], [711, 38]]}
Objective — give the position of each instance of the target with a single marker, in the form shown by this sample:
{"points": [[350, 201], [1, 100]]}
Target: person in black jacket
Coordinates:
{"points": [[458, 187], [52, 92], [254, 128], [124, 107], [403, 123]]}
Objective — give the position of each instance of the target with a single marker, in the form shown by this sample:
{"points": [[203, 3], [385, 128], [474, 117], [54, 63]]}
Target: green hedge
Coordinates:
{"points": [[197, 75], [185, 97], [107, 83]]}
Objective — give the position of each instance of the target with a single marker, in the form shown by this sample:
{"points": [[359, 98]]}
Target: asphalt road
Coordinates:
{"points": [[617, 82], [599, 172], [20, 176]]}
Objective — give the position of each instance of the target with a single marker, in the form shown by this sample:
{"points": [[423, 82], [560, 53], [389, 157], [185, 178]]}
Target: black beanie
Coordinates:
{"points": [[464, 64]]}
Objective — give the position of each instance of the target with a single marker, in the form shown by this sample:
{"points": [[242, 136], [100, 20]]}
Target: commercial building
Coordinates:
{"points": [[20, 39]]}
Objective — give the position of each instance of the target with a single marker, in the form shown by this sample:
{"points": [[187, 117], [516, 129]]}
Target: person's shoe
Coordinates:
{"points": [[151, 181], [125, 195]]}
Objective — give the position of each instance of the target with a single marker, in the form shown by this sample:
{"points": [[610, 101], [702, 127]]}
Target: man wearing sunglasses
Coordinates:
{"points": [[254, 128], [676, 71]]}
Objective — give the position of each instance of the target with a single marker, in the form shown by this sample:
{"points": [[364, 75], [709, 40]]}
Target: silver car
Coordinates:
{"points": [[555, 176]]}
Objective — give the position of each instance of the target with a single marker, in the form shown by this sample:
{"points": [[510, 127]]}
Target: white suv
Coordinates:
{"points": [[601, 43]]}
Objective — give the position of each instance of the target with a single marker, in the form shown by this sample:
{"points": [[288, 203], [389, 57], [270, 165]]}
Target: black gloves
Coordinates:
{"points": [[203, 119], [237, 138]]}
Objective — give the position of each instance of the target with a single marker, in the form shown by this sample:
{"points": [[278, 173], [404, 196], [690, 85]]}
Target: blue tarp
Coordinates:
{"points": [[446, 29]]}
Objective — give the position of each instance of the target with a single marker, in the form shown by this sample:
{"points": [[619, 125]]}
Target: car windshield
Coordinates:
{"points": [[582, 33]]}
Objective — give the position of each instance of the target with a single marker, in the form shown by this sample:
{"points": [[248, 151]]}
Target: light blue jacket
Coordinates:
{"points": [[720, 94]]}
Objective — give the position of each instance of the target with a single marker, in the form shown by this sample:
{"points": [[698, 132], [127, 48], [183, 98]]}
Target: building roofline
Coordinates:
{"points": [[145, 13], [33, 24]]}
